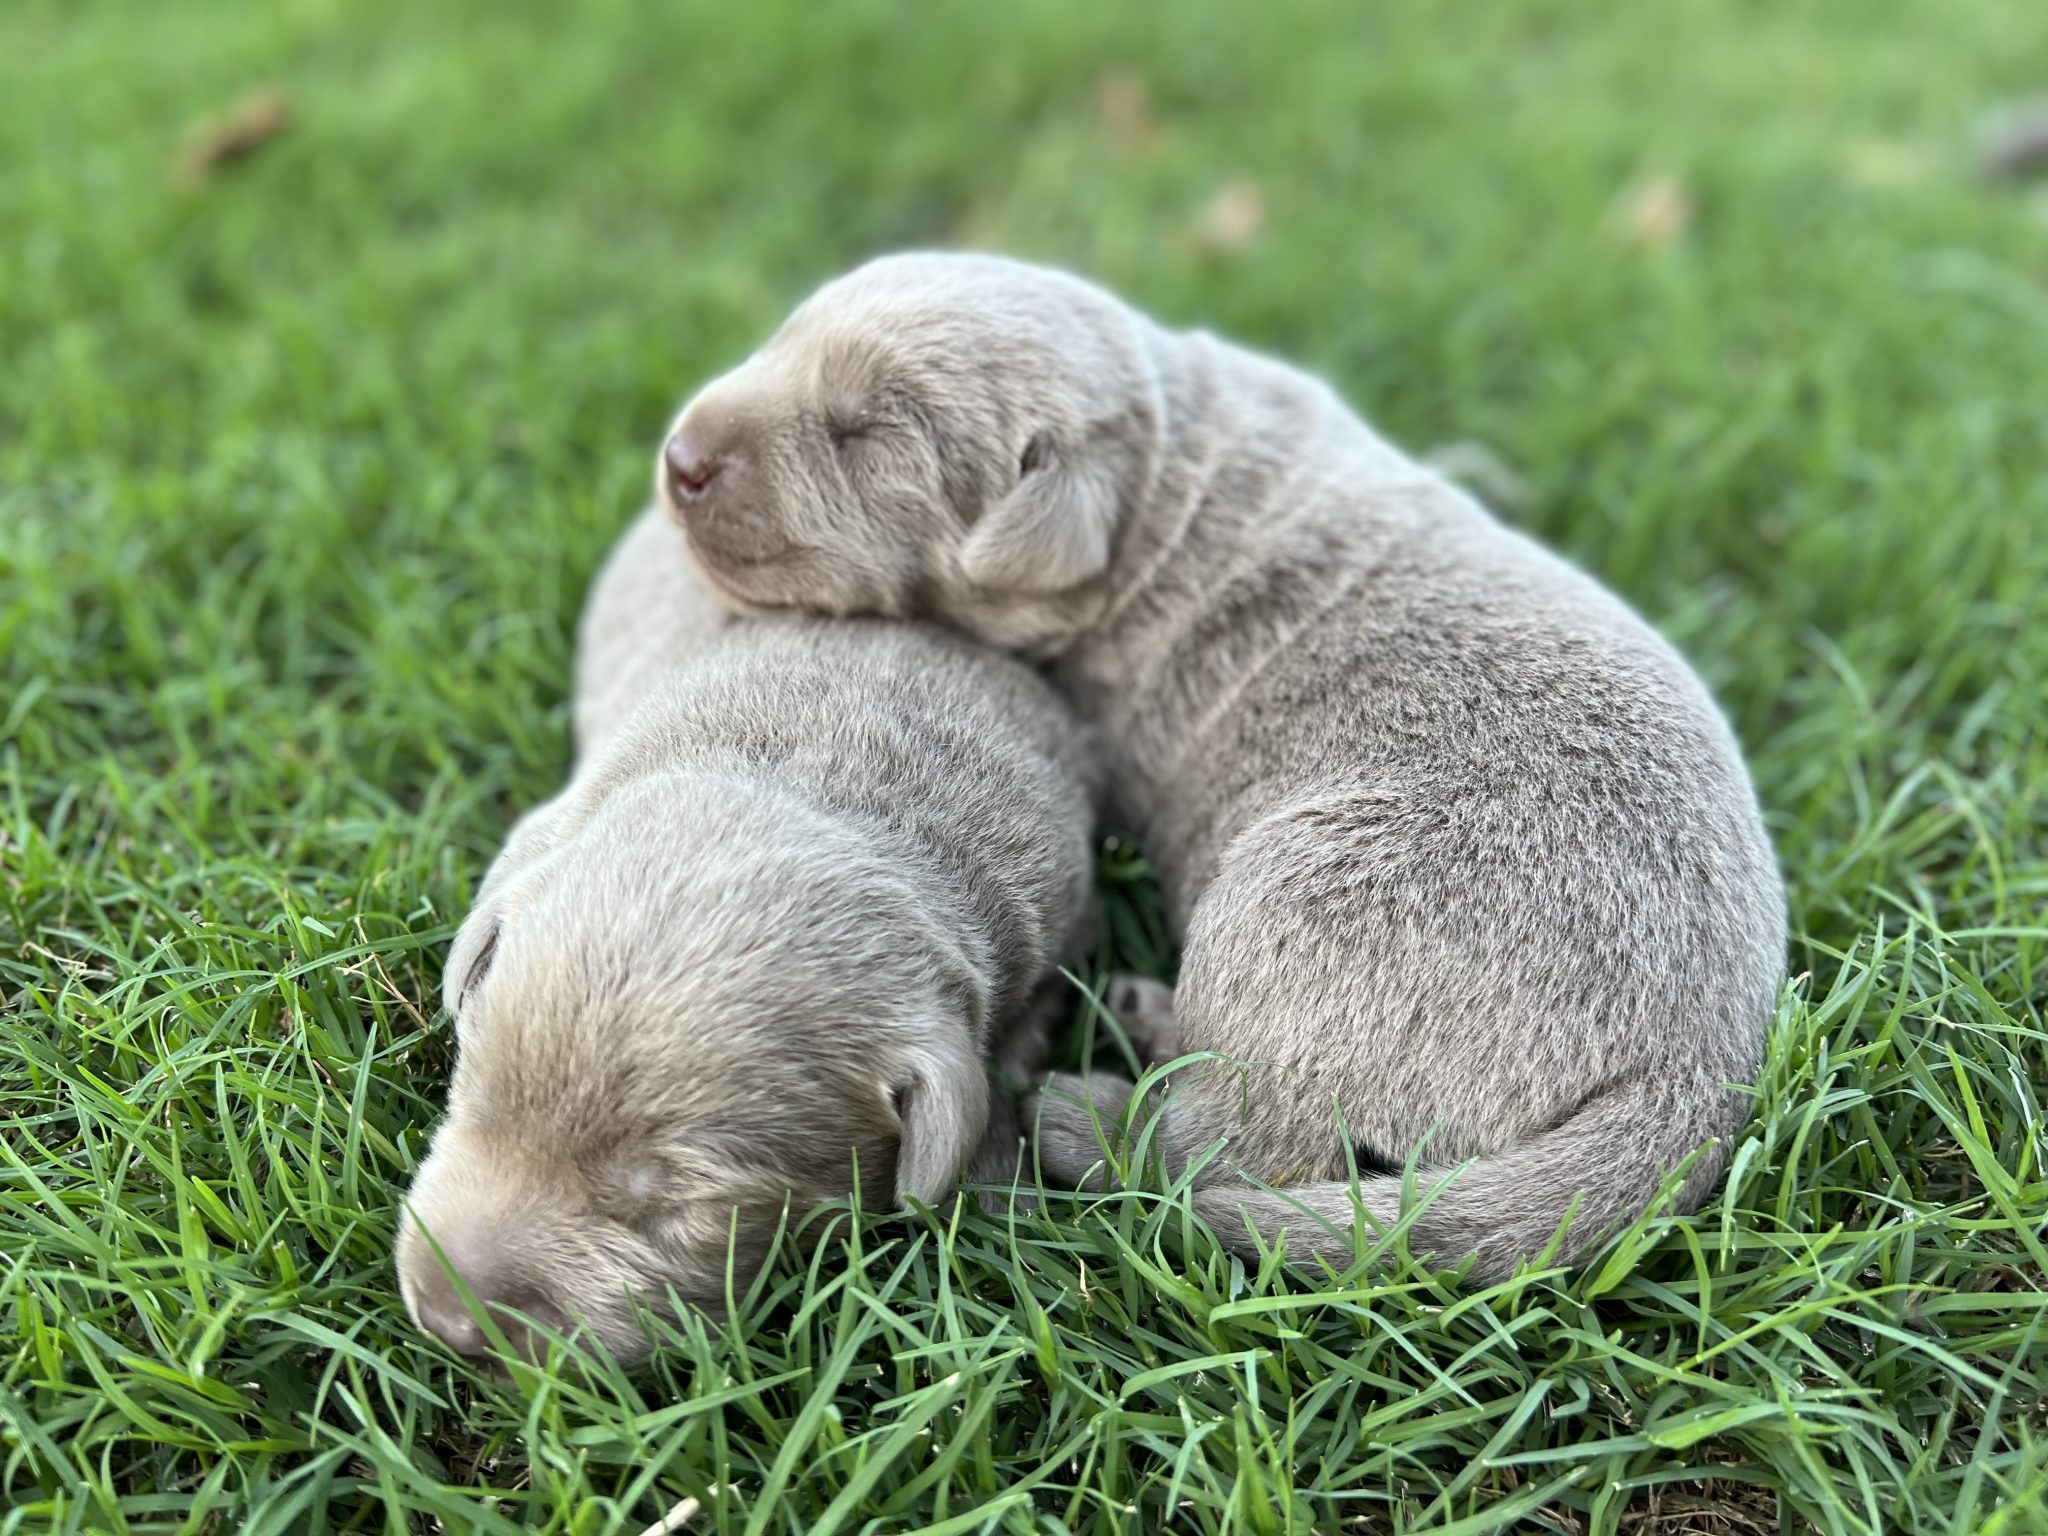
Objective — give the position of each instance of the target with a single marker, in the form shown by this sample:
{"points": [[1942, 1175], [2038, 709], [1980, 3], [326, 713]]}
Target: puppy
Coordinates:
{"points": [[801, 886], [1469, 869]]}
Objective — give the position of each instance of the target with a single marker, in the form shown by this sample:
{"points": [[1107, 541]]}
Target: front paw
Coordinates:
{"points": [[1075, 1122], [1143, 1008]]}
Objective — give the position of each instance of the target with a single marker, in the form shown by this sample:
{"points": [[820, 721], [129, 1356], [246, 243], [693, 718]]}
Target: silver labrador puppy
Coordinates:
{"points": [[1468, 863], [800, 888]]}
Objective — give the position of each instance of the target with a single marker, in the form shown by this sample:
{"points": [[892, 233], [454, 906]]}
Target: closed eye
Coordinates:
{"points": [[871, 421], [886, 413]]}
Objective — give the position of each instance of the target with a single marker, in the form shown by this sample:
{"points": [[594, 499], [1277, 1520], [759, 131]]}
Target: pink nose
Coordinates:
{"points": [[442, 1310], [690, 469]]}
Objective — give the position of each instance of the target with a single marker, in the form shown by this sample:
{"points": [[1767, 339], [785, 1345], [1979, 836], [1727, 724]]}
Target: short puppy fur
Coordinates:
{"points": [[1469, 868], [797, 893]]}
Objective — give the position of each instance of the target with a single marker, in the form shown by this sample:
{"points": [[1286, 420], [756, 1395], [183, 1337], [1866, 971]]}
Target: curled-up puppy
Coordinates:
{"points": [[796, 896], [1467, 863]]}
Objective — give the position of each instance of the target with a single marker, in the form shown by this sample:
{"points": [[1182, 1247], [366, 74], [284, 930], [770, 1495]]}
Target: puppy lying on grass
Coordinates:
{"points": [[1467, 863], [800, 888]]}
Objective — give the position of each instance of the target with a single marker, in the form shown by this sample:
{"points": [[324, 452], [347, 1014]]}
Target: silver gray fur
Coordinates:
{"points": [[1465, 857], [797, 893]]}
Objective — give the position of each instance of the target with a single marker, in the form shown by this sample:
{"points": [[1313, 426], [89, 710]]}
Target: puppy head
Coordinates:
{"points": [[703, 1005], [944, 435]]}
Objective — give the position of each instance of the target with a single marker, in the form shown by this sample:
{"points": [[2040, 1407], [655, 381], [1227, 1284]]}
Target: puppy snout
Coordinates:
{"points": [[517, 1306], [692, 466], [448, 1320], [717, 488]]}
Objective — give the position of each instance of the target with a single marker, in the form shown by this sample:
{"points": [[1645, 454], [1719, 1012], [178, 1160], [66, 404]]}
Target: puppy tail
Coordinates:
{"points": [[1574, 1184]]}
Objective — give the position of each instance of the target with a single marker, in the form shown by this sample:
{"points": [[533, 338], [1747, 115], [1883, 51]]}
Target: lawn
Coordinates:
{"points": [[306, 454]]}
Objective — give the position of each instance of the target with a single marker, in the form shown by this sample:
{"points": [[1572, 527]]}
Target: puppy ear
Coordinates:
{"points": [[1051, 532], [470, 956], [539, 833], [942, 1103]]}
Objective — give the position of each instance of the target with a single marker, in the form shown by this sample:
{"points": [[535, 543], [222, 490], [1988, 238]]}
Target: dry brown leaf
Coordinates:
{"points": [[1231, 219], [237, 133], [1654, 212], [1123, 103]]}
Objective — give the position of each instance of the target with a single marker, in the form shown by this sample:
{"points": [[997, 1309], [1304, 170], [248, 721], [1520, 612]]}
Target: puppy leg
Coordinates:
{"points": [[1018, 1058], [1144, 1007], [1065, 1114]]}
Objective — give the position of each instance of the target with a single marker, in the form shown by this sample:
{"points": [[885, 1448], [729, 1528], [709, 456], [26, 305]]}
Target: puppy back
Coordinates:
{"points": [[960, 762], [645, 614]]}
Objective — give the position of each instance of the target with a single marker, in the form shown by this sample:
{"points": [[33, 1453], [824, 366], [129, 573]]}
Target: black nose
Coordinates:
{"points": [[690, 469]]}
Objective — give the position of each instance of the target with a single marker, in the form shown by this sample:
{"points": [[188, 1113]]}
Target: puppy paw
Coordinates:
{"points": [[1064, 1115], [1001, 1202], [1144, 1007]]}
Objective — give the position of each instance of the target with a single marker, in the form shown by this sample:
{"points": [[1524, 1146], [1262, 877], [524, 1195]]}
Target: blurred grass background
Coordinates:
{"points": [[306, 454]]}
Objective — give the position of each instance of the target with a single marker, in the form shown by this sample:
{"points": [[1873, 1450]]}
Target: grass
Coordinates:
{"points": [[303, 465]]}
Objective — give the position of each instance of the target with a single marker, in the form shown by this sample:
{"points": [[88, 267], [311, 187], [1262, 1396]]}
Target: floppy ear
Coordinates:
{"points": [[470, 956], [1051, 532], [538, 834], [943, 1105]]}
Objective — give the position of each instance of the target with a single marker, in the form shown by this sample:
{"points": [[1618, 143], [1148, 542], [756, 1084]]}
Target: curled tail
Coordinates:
{"points": [[1611, 1156]]}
